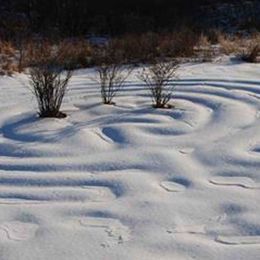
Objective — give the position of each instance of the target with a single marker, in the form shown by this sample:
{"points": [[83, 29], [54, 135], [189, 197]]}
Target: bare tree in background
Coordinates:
{"points": [[157, 78]]}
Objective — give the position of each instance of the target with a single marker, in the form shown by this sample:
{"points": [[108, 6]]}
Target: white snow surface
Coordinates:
{"points": [[131, 182]]}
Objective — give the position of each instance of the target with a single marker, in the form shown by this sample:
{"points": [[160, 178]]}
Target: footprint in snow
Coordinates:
{"points": [[176, 184], [228, 240], [238, 240], [114, 229], [243, 182], [17, 231]]}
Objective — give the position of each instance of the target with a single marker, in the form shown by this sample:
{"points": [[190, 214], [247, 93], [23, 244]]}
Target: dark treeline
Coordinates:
{"points": [[66, 18]]}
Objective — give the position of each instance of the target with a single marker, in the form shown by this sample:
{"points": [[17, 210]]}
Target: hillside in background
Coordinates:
{"points": [[77, 18]]}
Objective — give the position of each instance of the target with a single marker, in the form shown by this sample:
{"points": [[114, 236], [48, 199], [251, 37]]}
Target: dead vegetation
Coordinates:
{"points": [[8, 64], [157, 77], [48, 81], [111, 73], [133, 48], [247, 48]]}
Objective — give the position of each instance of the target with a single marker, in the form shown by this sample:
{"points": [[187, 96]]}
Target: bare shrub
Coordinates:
{"points": [[158, 78], [49, 84], [112, 73]]}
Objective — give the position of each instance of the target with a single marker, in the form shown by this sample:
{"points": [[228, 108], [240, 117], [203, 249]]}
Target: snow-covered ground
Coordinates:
{"points": [[131, 182]]}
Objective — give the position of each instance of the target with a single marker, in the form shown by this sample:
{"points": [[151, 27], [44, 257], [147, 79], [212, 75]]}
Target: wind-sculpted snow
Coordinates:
{"points": [[131, 182]]}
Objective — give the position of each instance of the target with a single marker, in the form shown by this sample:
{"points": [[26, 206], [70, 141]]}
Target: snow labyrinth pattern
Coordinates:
{"points": [[129, 177]]}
